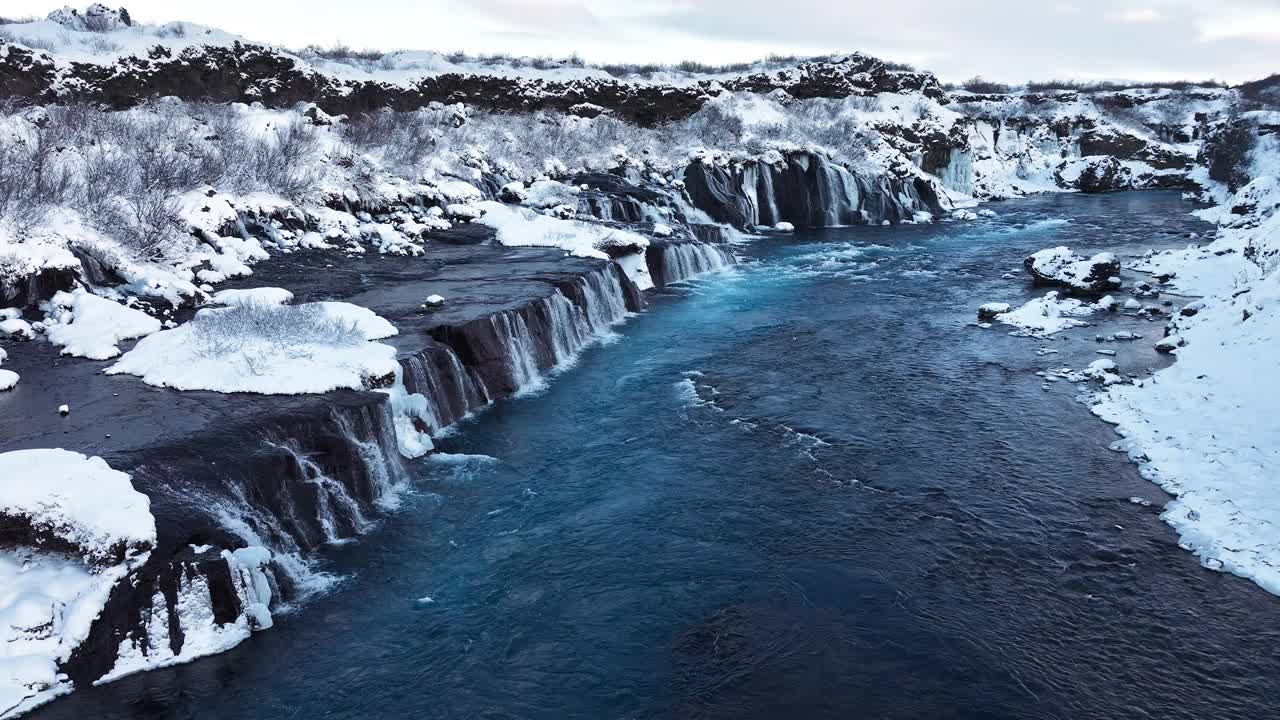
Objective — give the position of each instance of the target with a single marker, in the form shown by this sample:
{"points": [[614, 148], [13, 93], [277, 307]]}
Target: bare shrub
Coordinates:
{"points": [[286, 328], [102, 45], [147, 224], [285, 162], [980, 85], [172, 30], [30, 41]]}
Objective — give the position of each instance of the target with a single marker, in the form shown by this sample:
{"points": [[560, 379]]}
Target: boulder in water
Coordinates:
{"points": [[1060, 267], [991, 310]]}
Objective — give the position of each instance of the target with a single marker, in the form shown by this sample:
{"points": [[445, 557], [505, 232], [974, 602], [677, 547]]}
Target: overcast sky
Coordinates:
{"points": [[1010, 40]]}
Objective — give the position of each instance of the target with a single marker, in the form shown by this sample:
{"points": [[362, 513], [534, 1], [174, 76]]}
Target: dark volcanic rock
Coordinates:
{"points": [[1101, 174], [806, 190], [245, 72]]}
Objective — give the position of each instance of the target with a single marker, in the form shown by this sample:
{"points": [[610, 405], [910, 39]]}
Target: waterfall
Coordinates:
{"points": [[674, 262], [334, 506], [605, 300], [449, 390], [370, 431], [493, 357], [311, 484], [522, 362]]}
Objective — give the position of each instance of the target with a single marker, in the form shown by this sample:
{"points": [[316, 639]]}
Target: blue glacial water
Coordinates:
{"points": [[809, 487]]}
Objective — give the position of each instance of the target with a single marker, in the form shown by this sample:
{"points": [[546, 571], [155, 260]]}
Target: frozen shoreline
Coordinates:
{"points": [[1204, 428]]}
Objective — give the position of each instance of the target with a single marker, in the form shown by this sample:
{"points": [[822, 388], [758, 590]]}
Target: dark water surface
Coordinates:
{"points": [[809, 487]]}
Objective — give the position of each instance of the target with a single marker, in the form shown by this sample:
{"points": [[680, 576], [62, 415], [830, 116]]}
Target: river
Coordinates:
{"points": [[808, 487]]}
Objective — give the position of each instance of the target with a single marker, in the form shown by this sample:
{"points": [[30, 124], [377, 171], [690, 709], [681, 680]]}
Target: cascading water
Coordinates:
{"points": [[336, 510], [521, 357], [370, 431], [606, 302], [676, 262]]}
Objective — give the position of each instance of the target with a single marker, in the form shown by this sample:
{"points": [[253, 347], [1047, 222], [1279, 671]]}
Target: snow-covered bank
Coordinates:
{"points": [[1204, 429], [80, 528]]}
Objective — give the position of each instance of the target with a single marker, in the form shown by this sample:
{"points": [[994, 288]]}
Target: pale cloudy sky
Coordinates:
{"points": [[1009, 40]]}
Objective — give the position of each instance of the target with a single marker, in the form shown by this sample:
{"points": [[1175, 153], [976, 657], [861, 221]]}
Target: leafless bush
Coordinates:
{"points": [[978, 84], [102, 45], [286, 328], [172, 30], [344, 54], [404, 138], [30, 41], [286, 162], [1041, 86], [145, 223]]}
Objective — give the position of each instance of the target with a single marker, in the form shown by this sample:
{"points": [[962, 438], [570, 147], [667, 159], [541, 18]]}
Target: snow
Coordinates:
{"points": [[299, 349], [370, 324], [785, 227], [637, 269], [89, 326], [435, 300], [259, 296], [49, 600], [8, 378], [524, 227], [752, 109], [991, 310], [1203, 428], [1047, 315], [18, 328], [78, 499]]}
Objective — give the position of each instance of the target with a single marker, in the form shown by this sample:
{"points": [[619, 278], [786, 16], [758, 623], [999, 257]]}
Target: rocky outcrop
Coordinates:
{"points": [[245, 72], [806, 190], [1095, 175]]}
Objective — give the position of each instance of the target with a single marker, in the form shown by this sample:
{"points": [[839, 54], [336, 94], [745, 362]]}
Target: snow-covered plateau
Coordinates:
{"points": [[317, 263]]}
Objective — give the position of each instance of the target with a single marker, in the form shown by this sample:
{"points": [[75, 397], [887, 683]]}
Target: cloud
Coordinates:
{"points": [[1255, 23], [1006, 40], [1138, 15]]}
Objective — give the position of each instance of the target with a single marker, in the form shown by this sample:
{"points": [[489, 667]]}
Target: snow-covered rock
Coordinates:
{"points": [[523, 227], [1047, 315], [990, 310], [1061, 267], [89, 326], [259, 296], [74, 528], [513, 193]]}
